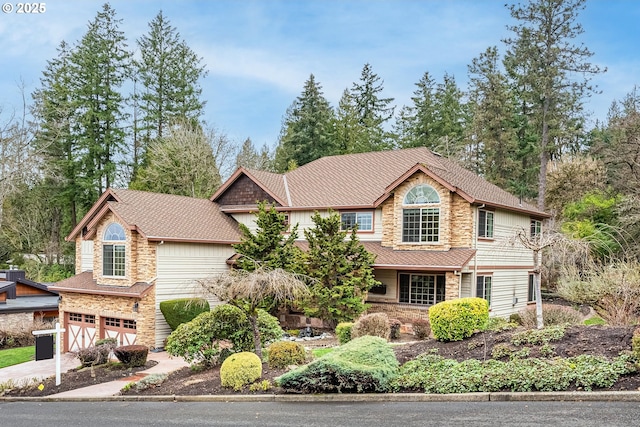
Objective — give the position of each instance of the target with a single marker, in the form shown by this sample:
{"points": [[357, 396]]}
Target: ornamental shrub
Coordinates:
{"points": [[374, 324], [240, 369], [343, 332], [552, 314], [213, 335], [363, 365], [95, 355], [285, 353], [394, 329], [421, 328], [458, 319], [182, 310], [132, 355]]}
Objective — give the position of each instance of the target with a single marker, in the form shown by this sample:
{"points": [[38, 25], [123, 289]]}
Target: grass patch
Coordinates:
{"points": [[595, 320], [319, 352], [14, 356]]}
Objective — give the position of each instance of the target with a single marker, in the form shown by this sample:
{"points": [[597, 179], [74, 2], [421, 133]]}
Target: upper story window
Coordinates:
{"points": [[113, 251], [485, 224], [421, 223], [536, 227], [364, 221]]}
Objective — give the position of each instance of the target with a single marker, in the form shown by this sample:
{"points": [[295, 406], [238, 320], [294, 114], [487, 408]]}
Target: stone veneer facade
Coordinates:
{"points": [[140, 257], [113, 306], [140, 266], [17, 321], [456, 218]]}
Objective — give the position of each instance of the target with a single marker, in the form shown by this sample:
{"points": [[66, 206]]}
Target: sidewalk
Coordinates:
{"points": [[25, 372], [37, 370]]}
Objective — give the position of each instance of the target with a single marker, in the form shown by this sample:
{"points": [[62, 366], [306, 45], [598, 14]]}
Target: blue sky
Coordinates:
{"points": [[259, 53]]}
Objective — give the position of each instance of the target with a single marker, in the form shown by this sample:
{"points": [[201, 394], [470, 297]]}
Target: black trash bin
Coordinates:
{"points": [[44, 347]]}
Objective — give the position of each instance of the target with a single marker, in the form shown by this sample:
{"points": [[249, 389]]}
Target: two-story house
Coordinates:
{"points": [[438, 232]]}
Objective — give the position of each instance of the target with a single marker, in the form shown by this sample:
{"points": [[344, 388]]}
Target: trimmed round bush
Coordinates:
{"points": [[182, 310], [374, 324], [132, 355], [212, 335], [343, 332], [458, 319], [240, 369], [285, 353]]}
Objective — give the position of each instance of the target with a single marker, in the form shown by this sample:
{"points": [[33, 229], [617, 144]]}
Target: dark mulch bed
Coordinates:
{"points": [[595, 340]]}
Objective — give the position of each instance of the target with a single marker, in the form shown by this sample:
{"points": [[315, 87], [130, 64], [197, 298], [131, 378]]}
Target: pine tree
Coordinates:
{"points": [[169, 73], [54, 111], [342, 269], [101, 64], [372, 112], [494, 134], [268, 247], [307, 129], [552, 72], [415, 125], [451, 118], [348, 132]]}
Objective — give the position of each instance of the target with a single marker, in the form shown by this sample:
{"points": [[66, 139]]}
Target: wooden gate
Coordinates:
{"points": [[123, 330], [81, 331]]}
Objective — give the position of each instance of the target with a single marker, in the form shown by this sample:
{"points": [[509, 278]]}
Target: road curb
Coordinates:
{"points": [[601, 396]]}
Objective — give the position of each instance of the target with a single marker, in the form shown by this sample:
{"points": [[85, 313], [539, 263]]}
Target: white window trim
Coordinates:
{"points": [[487, 214], [357, 213]]}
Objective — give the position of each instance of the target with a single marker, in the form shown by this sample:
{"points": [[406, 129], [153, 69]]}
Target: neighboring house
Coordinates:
{"points": [[22, 300], [438, 231]]}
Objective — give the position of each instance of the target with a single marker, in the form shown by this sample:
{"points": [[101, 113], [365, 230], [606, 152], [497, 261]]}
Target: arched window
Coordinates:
{"points": [[421, 195], [421, 224], [114, 233], [113, 255]]}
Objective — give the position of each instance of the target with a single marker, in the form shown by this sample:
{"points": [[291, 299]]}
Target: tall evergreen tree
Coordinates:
{"points": [[415, 125], [348, 132], [169, 74], [54, 111], [101, 64], [552, 72], [451, 119], [372, 112], [494, 142], [307, 130]]}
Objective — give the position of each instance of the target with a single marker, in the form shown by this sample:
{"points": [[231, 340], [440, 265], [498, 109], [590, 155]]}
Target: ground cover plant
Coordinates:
{"points": [[575, 357]]}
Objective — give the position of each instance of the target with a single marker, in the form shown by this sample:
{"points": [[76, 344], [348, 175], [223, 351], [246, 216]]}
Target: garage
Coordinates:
{"points": [[123, 330], [81, 331]]}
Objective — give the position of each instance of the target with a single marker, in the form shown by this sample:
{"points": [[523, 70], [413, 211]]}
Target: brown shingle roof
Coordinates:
{"points": [[167, 217], [83, 283], [355, 180], [388, 258], [453, 259]]}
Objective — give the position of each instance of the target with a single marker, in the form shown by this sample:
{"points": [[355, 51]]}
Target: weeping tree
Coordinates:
{"points": [[537, 242], [262, 288]]}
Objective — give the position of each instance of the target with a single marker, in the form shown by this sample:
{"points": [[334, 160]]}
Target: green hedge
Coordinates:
{"points": [[365, 364], [458, 319], [182, 310]]}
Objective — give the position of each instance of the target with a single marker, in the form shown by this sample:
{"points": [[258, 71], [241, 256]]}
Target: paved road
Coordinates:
{"points": [[468, 414]]}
